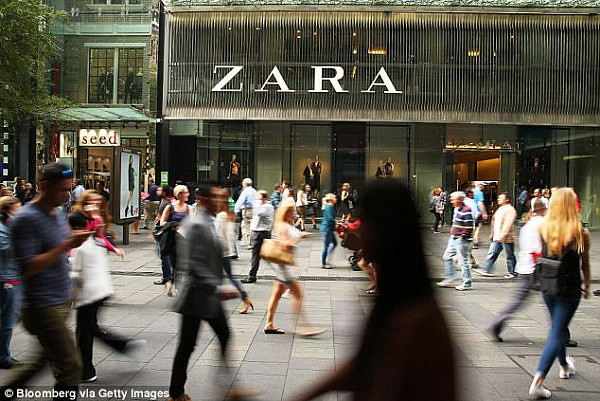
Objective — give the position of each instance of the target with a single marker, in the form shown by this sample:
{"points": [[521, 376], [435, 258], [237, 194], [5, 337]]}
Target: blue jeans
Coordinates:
{"points": [[10, 308], [462, 248], [329, 244], [561, 313], [494, 251]]}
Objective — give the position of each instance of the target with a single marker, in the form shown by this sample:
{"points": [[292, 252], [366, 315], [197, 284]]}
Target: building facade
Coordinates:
{"points": [[431, 95], [105, 68]]}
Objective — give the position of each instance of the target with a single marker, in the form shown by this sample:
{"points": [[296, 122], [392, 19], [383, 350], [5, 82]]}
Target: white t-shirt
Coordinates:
{"points": [[544, 201], [529, 242]]}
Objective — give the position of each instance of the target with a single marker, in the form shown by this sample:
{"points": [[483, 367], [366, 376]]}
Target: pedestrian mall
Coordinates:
{"points": [[339, 94]]}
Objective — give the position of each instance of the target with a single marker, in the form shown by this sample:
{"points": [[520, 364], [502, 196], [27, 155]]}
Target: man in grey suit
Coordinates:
{"points": [[201, 290]]}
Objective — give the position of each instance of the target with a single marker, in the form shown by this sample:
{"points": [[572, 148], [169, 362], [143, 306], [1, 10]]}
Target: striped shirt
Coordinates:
{"points": [[462, 224]]}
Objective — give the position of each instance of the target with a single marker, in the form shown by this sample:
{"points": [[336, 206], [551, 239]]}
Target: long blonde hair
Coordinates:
{"points": [[282, 210], [562, 223]]}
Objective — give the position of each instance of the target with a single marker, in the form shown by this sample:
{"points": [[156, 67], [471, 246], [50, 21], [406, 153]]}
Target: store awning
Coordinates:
{"points": [[112, 114]]}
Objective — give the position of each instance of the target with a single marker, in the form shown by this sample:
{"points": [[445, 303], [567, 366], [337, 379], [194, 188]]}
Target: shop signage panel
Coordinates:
{"points": [[101, 137]]}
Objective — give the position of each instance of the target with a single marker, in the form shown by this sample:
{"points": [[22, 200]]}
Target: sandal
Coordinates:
{"points": [[372, 292], [276, 330], [310, 333]]}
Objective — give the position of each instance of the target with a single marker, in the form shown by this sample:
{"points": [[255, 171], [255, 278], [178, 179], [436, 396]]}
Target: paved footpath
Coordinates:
{"points": [[280, 366]]}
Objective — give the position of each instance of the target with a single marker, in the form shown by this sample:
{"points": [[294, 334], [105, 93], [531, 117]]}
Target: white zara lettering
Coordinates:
{"points": [[335, 80], [386, 81], [220, 86], [279, 81]]}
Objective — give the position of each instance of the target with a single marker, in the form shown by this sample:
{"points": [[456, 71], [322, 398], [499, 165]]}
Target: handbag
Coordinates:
{"points": [[547, 275], [272, 251]]}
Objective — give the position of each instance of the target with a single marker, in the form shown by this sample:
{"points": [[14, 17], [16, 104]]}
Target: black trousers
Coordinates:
{"points": [[438, 218], [257, 239], [87, 328], [190, 326]]}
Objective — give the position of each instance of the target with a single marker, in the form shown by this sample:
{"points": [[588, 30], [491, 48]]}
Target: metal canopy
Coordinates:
{"points": [[116, 114]]}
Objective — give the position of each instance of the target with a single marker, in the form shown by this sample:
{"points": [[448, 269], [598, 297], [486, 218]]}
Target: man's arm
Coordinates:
{"points": [[240, 202]]}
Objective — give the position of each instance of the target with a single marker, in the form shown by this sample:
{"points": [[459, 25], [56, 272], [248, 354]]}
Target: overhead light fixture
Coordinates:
{"points": [[123, 125], [378, 51], [353, 33], [355, 51], [473, 53], [137, 126]]}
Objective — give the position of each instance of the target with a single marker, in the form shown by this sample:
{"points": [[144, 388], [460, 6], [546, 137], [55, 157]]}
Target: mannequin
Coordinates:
{"points": [[389, 168], [308, 173], [234, 172], [317, 169], [380, 174]]}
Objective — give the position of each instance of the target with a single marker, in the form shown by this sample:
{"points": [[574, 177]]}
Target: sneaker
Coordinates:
{"points": [[495, 332], [445, 283], [482, 272], [326, 267], [463, 287], [90, 379], [571, 343], [569, 371], [539, 392], [132, 347], [509, 275]]}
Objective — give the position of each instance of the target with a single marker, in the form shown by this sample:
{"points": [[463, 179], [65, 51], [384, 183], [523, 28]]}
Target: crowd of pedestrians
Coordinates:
{"points": [[53, 261]]}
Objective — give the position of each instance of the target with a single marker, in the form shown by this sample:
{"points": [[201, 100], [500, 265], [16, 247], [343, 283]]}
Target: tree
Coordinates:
{"points": [[25, 42]]}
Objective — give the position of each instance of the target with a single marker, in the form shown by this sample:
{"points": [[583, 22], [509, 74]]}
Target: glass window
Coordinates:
{"points": [[131, 75], [101, 74]]}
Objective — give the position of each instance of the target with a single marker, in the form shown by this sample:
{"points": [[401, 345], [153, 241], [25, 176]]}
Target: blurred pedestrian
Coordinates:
{"points": [[529, 246], [459, 244], [345, 202], [260, 226], [244, 205], [10, 282], [93, 285], [287, 236], [311, 203], [301, 204], [165, 193], [226, 227], [201, 291], [328, 229], [41, 239], [276, 196], [406, 351], [436, 207], [502, 237], [171, 220], [563, 238], [482, 215], [150, 204]]}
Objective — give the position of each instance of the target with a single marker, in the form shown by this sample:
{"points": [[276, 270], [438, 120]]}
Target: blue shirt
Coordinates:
{"points": [[246, 199], [478, 197], [8, 268], [35, 232], [328, 223]]}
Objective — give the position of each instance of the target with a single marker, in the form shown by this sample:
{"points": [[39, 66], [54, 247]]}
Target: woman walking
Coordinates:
{"points": [[436, 207], [287, 236], [301, 205], [406, 351], [346, 202], [563, 238], [93, 286], [311, 202], [327, 230], [10, 278], [170, 221], [227, 231]]}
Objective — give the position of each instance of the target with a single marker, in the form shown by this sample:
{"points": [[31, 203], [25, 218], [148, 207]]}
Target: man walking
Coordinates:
{"points": [[482, 215], [262, 221], [150, 204], [529, 245], [202, 292], [537, 195], [503, 237], [41, 240], [244, 205], [459, 244]]}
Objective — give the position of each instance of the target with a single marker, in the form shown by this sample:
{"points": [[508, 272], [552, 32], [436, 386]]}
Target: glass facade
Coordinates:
{"points": [[129, 79], [430, 98]]}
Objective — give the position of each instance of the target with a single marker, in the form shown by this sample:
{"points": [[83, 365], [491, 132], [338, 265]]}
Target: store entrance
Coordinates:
{"points": [[348, 153], [474, 167]]}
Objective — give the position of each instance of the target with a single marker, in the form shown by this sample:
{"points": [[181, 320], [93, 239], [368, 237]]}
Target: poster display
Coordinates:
{"points": [[130, 185]]}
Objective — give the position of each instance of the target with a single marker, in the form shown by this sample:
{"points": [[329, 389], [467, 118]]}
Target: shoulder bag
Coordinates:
{"points": [[547, 274], [272, 251]]}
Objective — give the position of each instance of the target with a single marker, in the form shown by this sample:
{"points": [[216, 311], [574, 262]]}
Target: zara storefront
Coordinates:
{"points": [[432, 97]]}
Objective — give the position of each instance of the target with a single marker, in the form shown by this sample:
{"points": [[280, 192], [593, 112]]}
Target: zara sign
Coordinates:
{"points": [[331, 74], [101, 137]]}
